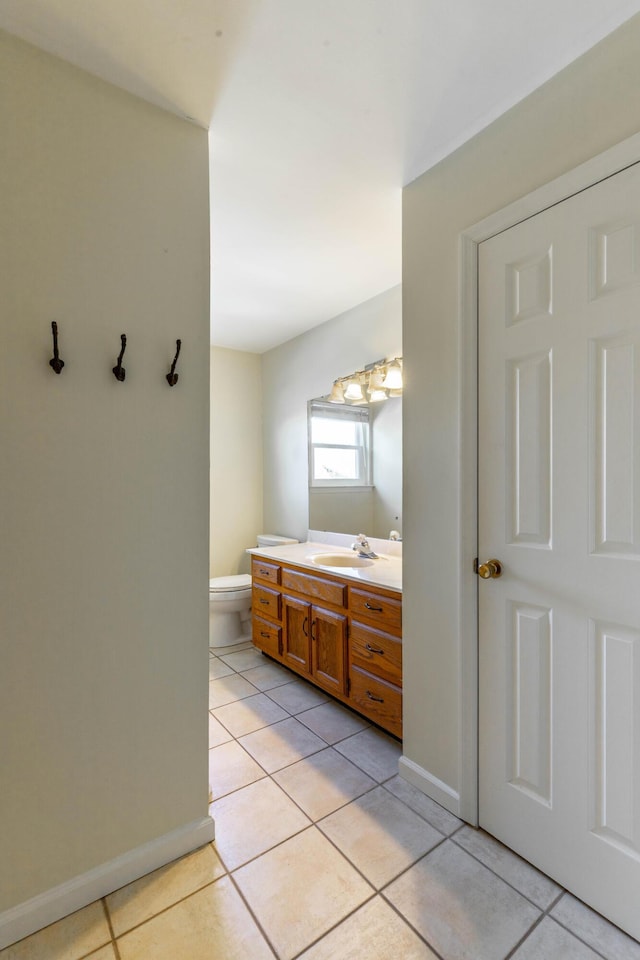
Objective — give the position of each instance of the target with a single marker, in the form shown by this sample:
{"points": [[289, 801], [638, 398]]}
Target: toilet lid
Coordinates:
{"points": [[241, 581]]}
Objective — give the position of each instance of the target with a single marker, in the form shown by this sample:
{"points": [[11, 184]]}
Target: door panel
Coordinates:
{"points": [[329, 643], [296, 637], [559, 506]]}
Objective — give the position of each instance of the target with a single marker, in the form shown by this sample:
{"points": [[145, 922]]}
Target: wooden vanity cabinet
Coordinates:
{"points": [[344, 637]]}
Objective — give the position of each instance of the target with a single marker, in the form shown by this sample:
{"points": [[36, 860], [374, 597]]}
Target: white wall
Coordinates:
{"points": [[236, 459], [386, 434], [103, 513], [301, 369], [587, 108], [342, 511]]}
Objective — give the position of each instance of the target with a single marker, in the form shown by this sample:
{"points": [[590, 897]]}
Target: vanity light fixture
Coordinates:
{"points": [[380, 379]]}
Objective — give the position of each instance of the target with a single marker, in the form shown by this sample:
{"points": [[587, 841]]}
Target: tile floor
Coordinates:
{"points": [[324, 853]]}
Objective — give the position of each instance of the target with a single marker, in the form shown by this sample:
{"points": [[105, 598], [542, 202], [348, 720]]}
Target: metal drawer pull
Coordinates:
{"points": [[377, 699], [264, 571], [266, 602], [373, 649], [263, 634], [369, 607], [304, 626]]}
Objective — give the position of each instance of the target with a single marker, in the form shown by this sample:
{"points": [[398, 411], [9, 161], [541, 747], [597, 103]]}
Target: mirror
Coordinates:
{"points": [[348, 500]]}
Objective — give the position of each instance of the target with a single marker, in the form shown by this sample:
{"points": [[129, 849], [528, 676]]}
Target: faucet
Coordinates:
{"points": [[363, 548]]}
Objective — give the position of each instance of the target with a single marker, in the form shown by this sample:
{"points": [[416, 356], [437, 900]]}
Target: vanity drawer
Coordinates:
{"points": [[267, 636], [262, 570], [266, 602], [377, 699], [376, 652], [376, 608], [315, 588]]}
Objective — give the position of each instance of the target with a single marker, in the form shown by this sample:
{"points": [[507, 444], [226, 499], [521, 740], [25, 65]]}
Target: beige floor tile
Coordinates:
{"points": [[68, 939], [213, 924], [323, 782], [144, 898], [244, 660], [432, 812], [297, 696], [374, 931], [104, 953], [252, 713], [299, 890], [282, 743], [374, 752], [231, 767], [228, 689], [380, 835], [217, 733], [253, 820], [268, 675], [549, 940], [591, 927], [508, 865], [218, 669], [460, 908], [332, 722], [232, 648]]}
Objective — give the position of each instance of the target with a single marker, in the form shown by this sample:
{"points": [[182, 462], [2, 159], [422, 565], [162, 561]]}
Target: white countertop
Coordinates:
{"points": [[386, 571]]}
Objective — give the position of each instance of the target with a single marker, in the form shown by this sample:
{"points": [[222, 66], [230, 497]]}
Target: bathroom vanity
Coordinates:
{"points": [[340, 628]]}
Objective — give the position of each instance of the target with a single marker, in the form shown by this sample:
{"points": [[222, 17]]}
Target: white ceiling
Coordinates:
{"points": [[319, 112]]}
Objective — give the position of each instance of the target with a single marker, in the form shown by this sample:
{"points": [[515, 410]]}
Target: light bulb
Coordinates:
{"points": [[354, 391], [393, 379]]}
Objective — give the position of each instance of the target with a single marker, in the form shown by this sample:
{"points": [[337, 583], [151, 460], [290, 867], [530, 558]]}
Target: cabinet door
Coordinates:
{"points": [[297, 634], [328, 649]]}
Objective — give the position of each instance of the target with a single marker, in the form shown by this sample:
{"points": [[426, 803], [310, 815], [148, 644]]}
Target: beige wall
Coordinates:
{"points": [[587, 108], [103, 513], [298, 371], [236, 459]]}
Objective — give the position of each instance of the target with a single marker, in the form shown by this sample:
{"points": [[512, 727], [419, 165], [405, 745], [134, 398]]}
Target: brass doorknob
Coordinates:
{"points": [[490, 570]]}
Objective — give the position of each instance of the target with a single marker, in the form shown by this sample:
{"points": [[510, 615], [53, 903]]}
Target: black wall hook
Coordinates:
{"points": [[56, 363], [172, 376], [118, 371]]}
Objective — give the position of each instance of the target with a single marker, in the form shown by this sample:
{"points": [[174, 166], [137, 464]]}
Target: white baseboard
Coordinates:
{"points": [[439, 791], [60, 901]]}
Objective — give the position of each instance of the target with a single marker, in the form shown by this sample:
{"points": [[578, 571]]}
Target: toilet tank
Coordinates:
{"points": [[273, 540]]}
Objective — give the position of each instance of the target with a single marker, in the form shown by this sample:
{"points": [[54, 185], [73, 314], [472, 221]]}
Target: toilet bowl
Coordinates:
{"points": [[229, 610]]}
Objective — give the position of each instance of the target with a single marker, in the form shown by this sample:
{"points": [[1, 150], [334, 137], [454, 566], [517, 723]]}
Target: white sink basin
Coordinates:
{"points": [[340, 560]]}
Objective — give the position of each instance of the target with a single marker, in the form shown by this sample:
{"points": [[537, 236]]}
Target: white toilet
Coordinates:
{"points": [[230, 602]]}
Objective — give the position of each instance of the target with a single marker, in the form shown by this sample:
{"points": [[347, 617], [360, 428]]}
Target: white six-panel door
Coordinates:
{"points": [[559, 506]]}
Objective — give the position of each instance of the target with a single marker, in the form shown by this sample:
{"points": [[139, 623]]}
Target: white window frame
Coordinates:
{"points": [[355, 414]]}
